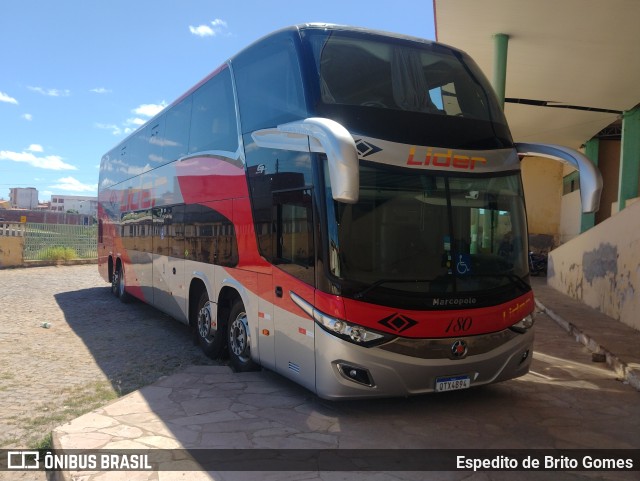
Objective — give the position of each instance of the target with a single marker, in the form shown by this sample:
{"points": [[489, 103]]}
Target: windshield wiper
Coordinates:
{"points": [[378, 283]]}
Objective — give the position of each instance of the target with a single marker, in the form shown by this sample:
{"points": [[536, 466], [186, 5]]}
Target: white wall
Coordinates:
{"points": [[602, 267], [26, 198]]}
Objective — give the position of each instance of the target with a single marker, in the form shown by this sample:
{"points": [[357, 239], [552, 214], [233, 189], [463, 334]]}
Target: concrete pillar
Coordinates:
{"points": [[501, 44], [629, 157], [591, 150]]}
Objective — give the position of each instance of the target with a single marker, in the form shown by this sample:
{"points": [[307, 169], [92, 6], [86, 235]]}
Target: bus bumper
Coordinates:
{"points": [[346, 371]]}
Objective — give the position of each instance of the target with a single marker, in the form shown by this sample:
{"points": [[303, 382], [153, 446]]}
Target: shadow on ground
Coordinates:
{"points": [[134, 344]]}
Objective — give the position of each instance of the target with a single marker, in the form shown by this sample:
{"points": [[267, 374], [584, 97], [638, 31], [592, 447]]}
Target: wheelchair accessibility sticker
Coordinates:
{"points": [[463, 264]]}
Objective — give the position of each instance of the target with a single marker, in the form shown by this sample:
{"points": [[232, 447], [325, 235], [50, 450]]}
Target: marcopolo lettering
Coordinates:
{"points": [[446, 159], [458, 301]]}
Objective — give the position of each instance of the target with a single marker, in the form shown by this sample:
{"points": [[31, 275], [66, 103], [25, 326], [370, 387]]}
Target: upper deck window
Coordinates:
{"points": [[420, 78], [403, 90], [213, 116], [269, 84]]}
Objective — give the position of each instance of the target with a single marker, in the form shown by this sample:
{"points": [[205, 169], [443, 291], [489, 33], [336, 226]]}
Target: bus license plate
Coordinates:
{"points": [[452, 383]]}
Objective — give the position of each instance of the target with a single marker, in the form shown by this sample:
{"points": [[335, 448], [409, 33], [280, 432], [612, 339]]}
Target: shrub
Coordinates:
{"points": [[58, 253]]}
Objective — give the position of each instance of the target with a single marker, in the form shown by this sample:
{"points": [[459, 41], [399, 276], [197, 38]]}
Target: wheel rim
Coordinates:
{"points": [[239, 340], [206, 325], [114, 283]]}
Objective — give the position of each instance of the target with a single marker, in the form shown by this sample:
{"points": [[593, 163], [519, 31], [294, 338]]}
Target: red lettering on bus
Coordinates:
{"points": [[445, 159], [410, 159]]}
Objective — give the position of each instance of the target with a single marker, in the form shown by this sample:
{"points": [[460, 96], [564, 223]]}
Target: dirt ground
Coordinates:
{"points": [[94, 349]]}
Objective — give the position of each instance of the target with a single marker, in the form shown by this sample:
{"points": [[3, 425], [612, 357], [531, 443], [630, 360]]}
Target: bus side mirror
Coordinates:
{"points": [[590, 177], [317, 134]]}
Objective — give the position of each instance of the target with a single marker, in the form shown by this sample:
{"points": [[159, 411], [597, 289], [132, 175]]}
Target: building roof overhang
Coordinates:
{"points": [[573, 65]]}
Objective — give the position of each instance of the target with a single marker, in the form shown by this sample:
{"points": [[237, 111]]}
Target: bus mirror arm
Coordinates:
{"points": [[334, 140], [590, 177]]}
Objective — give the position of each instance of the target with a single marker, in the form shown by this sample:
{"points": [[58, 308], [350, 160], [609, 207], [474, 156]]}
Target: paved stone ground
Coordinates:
{"points": [[90, 354]]}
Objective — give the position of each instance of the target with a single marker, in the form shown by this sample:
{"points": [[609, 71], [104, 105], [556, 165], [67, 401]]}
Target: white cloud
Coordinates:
{"points": [[219, 24], [201, 31], [100, 90], [135, 121], [7, 98], [50, 162], [218, 27], [28, 117], [149, 110], [73, 185], [131, 124], [51, 92], [35, 148]]}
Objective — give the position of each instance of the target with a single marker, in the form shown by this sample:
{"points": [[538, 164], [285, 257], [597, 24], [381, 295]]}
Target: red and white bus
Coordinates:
{"points": [[339, 205]]}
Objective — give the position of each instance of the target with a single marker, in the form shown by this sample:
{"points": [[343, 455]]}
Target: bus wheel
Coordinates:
{"points": [[210, 334], [114, 283], [240, 340], [119, 283]]}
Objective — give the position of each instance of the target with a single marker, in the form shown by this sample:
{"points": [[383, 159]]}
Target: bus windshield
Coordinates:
{"points": [[416, 234], [413, 92]]}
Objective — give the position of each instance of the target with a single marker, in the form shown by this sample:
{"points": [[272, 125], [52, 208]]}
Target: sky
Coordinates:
{"points": [[77, 76]]}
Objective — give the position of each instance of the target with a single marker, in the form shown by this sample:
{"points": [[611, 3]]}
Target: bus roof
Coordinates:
{"points": [[291, 28]]}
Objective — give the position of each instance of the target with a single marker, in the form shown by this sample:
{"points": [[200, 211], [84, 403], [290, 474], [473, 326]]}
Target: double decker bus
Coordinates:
{"points": [[339, 205]]}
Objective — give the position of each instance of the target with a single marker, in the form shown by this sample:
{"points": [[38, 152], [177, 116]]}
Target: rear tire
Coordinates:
{"points": [[114, 283], [118, 285], [239, 340], [210, 332]]}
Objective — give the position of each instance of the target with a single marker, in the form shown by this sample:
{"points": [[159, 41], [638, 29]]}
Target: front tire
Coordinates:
{"points": [[210, 332], [239, 340]]}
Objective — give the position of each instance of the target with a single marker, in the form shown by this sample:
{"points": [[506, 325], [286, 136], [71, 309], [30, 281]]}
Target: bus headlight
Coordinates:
{"points": [[348, 331], [524, 324], [338, 327]]}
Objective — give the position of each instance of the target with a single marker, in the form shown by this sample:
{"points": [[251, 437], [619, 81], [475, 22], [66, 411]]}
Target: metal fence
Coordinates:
{"points": [[60, 242]]}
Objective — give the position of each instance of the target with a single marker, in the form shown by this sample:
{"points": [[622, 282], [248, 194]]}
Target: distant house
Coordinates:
{"points": [[75, 203], [23, 197]]}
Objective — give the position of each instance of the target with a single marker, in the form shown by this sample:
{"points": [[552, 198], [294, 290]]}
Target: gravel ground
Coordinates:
{"points": [[95, 349]]}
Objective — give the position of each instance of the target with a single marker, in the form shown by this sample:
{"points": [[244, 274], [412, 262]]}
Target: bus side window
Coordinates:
{"points": [[209, 236], [176, 236], [271, 173], [269, 85], [293, 218], [155, 139], [176, 135], [213, 116]]}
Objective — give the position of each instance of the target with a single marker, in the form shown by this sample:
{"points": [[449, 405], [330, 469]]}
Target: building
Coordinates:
{"points": [[23, 197], [568, 74], [84, 205]]}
